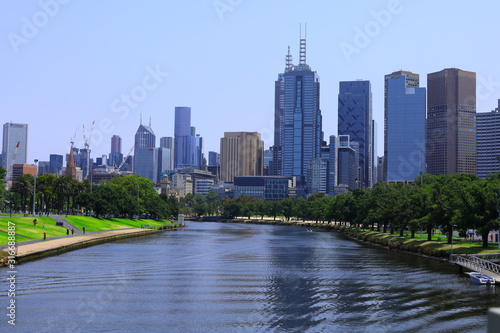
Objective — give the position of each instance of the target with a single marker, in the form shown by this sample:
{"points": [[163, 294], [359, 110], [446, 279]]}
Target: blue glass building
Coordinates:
{"points": [[55, 164], [355, 120], [301, 121], [145, 155], [184, 142], [404, 130]]}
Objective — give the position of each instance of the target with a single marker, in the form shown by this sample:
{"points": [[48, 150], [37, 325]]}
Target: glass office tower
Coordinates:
{"points": [[355, 120], [451, 122], [404, 130], [301, 121]]}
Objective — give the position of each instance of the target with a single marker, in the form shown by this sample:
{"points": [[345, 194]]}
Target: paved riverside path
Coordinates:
{"points": [[66, 224], [60, 243]]}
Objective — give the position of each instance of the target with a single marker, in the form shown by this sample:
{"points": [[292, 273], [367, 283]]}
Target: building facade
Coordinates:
{"points": [[241, 154], [404, 130], [14, 146], [451, 122], [488, 142], [355, 120]]}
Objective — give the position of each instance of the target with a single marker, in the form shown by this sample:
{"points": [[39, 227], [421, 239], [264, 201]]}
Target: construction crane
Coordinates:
{"points": [[117, 169], [11, 165], [87, 146]]}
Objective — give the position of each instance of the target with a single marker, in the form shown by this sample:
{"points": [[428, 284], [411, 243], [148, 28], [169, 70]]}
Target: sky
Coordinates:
{"points": [[68, 64]]}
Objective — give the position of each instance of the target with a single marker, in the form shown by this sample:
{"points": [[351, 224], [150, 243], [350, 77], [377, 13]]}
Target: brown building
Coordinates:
{"points": [[451, 122], [241, 154], [23, 169]]}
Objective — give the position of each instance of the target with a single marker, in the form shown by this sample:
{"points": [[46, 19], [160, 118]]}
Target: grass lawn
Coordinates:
{"points": [[99, 224], [25, 227], [4, 238]]}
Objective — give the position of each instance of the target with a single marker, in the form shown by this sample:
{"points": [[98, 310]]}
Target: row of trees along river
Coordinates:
{"points": [[451, 202]]}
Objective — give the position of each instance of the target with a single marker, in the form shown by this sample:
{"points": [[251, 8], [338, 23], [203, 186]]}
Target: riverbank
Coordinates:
{"points": [[434, 249], [41, 249]]}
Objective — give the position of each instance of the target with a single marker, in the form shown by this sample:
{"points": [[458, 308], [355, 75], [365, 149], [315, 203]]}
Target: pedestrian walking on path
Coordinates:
{"points": [[67, 231], [72, 231], [83, 229], [44, 236]]}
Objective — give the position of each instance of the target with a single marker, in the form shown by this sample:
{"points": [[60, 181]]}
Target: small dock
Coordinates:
{"points": [[484, 263]]}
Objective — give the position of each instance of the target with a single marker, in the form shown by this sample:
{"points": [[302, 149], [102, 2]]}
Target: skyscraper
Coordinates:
{"points": [[404, 130], [14, 146], [348, 162], [116, 144], [300, 124], [241, 154], [355, 120], [168, 143], [213, 158], [279, 108], [116, 156], [451, 122], [55, 164], [488, 142], [183, 140], [145, 155]]}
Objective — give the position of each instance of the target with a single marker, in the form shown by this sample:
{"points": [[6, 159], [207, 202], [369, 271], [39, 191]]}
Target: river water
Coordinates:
{"points": [[216, 277]]}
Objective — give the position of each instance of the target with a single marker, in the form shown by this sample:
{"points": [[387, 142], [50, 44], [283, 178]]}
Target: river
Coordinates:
{"points": [[217, 277]]}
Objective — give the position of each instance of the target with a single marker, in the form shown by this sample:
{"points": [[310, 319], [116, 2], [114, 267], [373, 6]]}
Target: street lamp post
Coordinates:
{"points": [[451, 249], [34, 188]]}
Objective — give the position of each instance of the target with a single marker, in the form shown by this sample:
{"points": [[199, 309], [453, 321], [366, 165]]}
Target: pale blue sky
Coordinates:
{"points": [[222, 58]]}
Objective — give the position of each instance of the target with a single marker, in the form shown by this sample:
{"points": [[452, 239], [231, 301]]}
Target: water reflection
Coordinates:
{"points": [[214, 277]]}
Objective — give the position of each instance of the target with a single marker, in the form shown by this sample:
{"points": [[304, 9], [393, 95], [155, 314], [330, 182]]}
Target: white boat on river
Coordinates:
{"points": [[480, 278]]}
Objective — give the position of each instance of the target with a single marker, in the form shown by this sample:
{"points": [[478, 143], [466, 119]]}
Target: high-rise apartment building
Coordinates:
{"points": [[300, 123], [488, 142], [241, 154], [451, 122], [404, 130], [355, 120], [145, 155], [14, 146]]}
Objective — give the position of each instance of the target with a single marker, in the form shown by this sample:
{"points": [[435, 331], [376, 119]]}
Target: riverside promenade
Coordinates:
{"points": [[40, 249]]}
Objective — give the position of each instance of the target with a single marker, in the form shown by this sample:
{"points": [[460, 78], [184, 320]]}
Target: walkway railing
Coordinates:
{"points": [[475, 263]]}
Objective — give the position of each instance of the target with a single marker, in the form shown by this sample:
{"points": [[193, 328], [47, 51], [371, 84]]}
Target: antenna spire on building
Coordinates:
{"points": [[141, 119], [149, 121], [302, 58], [288, 59]]}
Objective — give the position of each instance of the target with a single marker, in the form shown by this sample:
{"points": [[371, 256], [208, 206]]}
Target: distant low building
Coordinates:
{"points": [[272, 188], [23, 169]]}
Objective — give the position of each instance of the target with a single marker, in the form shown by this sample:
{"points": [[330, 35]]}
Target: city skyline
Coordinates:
{"points": [[69, 70]]}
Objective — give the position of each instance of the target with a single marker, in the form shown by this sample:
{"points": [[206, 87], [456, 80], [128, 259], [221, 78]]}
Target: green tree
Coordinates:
{"points": [[287, 207], [23, 186], [230, 208], [200, 206], [478, 207]]}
